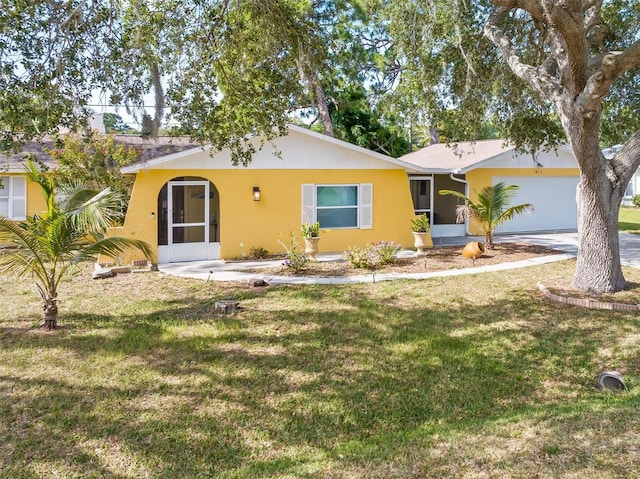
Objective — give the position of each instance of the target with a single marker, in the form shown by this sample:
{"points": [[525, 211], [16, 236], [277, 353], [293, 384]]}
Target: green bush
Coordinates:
{"points": [[296, 260], [373, 256], [636, 200], [386, 252], [360, 258], [258, 252]]}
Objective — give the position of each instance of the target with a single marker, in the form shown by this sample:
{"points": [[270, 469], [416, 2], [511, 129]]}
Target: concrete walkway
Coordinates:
{"points": [[219, 270]]}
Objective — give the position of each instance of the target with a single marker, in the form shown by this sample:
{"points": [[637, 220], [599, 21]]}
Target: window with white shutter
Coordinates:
{"points": [[345, 206], [13, 197]]}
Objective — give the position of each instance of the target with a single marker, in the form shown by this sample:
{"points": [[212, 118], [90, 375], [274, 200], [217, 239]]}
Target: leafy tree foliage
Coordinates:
{"points": [[113, 123], [356, 122], [541, 71], [223, 69], [95, 161], [50, 61]]}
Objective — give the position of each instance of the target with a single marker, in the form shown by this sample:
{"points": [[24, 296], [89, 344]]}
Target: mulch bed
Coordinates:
{"points": [[437, 259]]}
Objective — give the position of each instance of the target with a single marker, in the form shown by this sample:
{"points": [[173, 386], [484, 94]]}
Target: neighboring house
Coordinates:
{"points": [[548, 182], [196, 205], [633, 188], [20, 198]]}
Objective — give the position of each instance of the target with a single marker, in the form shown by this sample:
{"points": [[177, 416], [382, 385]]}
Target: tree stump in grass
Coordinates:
{"points": [[226, 306]]}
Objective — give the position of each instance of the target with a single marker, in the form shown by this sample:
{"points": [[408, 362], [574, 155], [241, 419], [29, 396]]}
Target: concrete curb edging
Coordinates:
{"points": [[587, 303]]}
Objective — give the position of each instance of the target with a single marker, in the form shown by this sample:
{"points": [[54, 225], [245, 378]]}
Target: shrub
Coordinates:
{"points": [[636, 200], [296, 260], [386, 252], [359, 258], [258, 252], [373, 256]]}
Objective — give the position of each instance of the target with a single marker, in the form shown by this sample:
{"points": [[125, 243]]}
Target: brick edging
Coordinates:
{"points": [[587, 303]]}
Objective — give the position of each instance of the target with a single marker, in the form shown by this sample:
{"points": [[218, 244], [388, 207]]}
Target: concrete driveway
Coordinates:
{"points": [[568, 242]]}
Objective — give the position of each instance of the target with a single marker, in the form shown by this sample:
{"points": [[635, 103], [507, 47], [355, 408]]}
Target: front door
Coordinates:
{"points": [[188, 228]]}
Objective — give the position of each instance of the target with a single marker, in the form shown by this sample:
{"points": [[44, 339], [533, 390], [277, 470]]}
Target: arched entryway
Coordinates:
{"points": [[188, 220]]}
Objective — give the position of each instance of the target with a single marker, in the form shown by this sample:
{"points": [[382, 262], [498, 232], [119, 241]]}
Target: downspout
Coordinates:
{"points": [[466, 193]]}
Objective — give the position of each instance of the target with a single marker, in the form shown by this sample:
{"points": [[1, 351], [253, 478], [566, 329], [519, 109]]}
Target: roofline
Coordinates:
{"points": [[481, 163], [319, 136], [162, 159]]}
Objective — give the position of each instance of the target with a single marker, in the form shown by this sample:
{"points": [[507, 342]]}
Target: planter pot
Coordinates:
{"points": [[473, 250], [422, 241], [311, 247]]}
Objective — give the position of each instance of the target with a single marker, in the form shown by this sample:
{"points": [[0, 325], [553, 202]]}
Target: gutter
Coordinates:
{"points": [[466, 193]]}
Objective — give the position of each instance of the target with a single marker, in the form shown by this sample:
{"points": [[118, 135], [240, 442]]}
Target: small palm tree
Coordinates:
{"points": [[492, 208], [70, 231]]}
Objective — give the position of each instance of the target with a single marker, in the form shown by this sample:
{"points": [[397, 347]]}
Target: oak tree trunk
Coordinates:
{"points": [[598, 267]]}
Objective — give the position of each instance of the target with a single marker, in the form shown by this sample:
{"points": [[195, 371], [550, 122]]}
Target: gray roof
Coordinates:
{"points": [[149, 149], [460, 157]]}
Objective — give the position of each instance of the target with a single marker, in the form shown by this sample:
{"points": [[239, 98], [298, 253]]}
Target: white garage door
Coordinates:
{"points": [[554, 200]]}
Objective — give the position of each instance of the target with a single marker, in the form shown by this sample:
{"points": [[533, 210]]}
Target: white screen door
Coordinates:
{"points": [[188, 226]]}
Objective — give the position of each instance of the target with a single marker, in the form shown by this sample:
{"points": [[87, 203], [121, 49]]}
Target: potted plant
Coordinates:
{"points": [[311, 235], [420, 228]]}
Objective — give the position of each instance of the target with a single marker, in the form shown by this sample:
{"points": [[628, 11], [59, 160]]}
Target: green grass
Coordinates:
{"points": [[629, 219], [474, 376]]}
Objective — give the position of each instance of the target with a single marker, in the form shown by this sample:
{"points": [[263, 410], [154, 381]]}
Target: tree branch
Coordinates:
{"points": [[612, 67], [542, 83]]}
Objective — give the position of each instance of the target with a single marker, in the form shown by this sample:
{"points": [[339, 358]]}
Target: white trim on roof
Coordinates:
{"points": [[145, 165], [304, 131]]}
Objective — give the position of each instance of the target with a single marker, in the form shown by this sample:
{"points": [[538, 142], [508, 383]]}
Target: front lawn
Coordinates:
{"points": [[629, 219], [471, 376]]}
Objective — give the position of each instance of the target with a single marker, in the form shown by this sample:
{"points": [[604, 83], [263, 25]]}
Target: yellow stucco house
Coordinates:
{"points": [[190, 204], [195, 205]]}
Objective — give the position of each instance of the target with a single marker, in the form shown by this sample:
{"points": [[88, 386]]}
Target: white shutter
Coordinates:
{"points": [[308, 203], [366, 206], [19, 193]]}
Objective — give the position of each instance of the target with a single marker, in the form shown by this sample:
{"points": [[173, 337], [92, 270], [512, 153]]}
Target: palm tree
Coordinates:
{"points": [[70, 231], [491, 209]]}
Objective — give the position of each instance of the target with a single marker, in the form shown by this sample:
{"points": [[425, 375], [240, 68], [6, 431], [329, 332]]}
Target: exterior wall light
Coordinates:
{"points": [[256, 193]]}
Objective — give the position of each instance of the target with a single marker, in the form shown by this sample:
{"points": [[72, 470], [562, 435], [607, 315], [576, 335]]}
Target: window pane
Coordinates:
{"points": [[4, 188], [337, 196], [19, 186], [4, 207], [338, 218], [629, 190], [194, 204], [189, 234], [420, 194], [19, 208]]}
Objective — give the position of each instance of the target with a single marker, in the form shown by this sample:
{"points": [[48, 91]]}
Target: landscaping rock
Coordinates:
{"points": [[103, 273]]}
